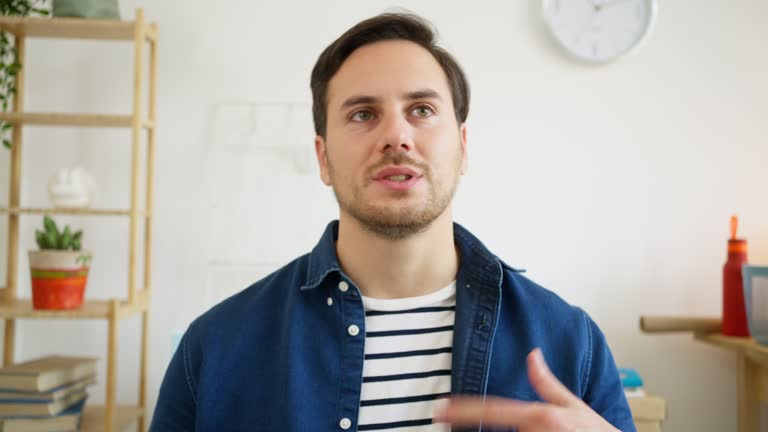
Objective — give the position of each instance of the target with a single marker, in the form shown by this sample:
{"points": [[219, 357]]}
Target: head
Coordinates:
{"points": [[389, 109]]}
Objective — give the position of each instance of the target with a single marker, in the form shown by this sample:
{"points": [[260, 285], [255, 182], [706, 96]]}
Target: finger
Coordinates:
{"points": [[546, 384], [495, 412]]}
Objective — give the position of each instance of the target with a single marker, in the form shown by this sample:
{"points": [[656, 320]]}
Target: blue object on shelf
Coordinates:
{"points": [[630, 378], [756, 301]]}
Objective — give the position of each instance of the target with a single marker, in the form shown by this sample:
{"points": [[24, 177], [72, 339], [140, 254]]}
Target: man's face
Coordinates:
{"points": [[393, 150]]}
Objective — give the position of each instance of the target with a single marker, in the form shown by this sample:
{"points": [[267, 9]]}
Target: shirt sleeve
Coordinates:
{"points": [[176, 404], [603, 389]]}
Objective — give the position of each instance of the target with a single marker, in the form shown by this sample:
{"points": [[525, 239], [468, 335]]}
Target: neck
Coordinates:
{"points": [[385, 268]]}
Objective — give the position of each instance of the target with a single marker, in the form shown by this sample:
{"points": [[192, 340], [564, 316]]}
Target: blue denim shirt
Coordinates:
{"points": [[278, 357]]}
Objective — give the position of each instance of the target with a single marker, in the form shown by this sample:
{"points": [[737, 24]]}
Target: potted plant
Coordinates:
{"points": [[59, 269], [9, 59]]}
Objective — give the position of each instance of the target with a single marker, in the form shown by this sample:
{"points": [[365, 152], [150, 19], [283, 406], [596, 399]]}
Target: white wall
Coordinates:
{"points": [[612, 185]]}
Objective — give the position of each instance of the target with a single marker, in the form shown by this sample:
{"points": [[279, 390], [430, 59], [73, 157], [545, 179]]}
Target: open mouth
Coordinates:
{"points": [[399, 177]]}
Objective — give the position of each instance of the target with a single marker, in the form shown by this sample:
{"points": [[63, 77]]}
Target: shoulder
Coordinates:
{"points": [[525, 294], [546, 319]]}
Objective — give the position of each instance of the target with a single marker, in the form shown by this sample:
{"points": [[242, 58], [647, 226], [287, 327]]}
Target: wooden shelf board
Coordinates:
{"points": [[69, 119], [85, 212], [74, 28], [744, 345], [91, 309], [93, 418]]}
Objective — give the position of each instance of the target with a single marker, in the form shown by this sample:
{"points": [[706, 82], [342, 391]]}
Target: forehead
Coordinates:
{"points": [[383, 69]]}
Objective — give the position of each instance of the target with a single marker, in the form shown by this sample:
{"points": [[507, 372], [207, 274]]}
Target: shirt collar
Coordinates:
{"points": [[475, 257]]}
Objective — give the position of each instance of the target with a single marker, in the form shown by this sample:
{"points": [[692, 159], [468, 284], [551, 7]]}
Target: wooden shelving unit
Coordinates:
{"points": [[751, 361], [109, 417], [95, 416]]}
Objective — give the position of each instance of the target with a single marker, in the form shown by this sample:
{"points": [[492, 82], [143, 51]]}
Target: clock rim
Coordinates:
{"points": [[654, 4]]}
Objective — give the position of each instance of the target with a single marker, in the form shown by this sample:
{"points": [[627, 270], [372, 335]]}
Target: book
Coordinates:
{"points": [[634, 392], [49, 396], [643, 426], [650, 408], [40, 408], [67, 420], [47, 373]]}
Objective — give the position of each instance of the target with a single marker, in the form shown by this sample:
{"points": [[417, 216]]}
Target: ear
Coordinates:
{"points": [[322, 159], [464, 156]]}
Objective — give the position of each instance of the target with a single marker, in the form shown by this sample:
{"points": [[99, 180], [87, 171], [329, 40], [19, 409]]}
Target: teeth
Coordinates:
{"points": [[400, 177]]}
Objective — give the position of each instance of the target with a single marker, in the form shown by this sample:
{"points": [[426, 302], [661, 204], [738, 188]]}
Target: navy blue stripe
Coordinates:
{"points": [[407, 311], [408, 353], [409, 331], [407, 423], [380, 378], [402, 400]]}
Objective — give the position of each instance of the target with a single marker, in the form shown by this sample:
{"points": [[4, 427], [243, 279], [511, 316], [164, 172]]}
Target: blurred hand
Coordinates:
{"points": [[562, 411]]}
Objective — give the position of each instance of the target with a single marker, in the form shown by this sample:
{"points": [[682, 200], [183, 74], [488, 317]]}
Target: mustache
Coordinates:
{"points": [[399, 159]]}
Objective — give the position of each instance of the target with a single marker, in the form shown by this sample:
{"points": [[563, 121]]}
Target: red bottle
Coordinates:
{"points": [[734, 310]]}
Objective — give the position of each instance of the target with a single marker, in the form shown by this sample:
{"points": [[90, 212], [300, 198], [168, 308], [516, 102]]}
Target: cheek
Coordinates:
{"points": [[345, 160], [445, 151]]}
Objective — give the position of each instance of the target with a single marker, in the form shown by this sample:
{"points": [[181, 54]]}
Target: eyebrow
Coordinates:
{"points": [[369, 100]]}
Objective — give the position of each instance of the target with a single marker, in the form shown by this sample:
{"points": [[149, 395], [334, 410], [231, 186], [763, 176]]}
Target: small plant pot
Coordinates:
{"points": [[58, 278]]}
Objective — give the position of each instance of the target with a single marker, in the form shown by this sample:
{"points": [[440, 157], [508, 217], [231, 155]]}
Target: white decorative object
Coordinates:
{"points": [[599, 31], [71, 188]]}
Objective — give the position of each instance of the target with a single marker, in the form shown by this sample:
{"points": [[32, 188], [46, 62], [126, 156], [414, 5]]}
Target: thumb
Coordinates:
{"points": [[546, 384]]}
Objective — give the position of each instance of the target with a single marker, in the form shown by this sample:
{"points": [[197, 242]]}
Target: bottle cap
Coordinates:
{"points": [[736, 245]]}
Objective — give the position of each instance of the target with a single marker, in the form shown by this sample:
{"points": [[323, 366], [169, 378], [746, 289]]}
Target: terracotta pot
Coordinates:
{"points": [[58, 278]]}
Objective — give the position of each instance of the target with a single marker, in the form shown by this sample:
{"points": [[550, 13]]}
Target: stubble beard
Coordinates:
{"points": [[393, 223]]}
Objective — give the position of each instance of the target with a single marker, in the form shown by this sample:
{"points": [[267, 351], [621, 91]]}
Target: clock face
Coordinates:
{"points": [[599, 30]]}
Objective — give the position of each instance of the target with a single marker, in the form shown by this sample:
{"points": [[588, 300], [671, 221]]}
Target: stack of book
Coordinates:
{"points": [[648, 412], [46, 394]]}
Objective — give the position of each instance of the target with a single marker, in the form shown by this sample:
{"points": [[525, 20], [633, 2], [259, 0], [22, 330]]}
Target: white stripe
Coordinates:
{"points": [[403, 365], [388, 344], [409, 321], [396, 412], [406, 388]]}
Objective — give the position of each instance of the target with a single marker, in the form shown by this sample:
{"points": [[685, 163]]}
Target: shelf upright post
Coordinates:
{"points": [[12, 271], [148, 225], [111, 400], [138, 67]]}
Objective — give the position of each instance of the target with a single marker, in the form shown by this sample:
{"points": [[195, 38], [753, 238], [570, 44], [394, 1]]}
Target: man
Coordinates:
{"points": [[397, 307]]}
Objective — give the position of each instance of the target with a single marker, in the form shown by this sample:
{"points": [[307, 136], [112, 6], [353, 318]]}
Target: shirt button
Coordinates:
{"points": [[353, 330], [345, 423], [343, 286], [330, 301]]}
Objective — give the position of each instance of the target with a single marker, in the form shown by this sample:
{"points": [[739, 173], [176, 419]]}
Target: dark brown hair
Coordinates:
{"points": [[384, 27]]}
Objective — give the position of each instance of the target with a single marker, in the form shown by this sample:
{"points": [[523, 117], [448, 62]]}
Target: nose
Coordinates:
{"points": [[396, 134]]}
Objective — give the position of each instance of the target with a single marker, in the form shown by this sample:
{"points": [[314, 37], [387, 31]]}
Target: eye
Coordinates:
{"points": [[362, 116], [423, 111]]}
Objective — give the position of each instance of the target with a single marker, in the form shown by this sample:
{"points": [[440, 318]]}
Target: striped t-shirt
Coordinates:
{"points": [[407, 367]]}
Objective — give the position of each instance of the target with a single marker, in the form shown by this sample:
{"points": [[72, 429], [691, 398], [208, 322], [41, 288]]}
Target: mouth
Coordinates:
{"points": [[398, 178], [397, 174]]}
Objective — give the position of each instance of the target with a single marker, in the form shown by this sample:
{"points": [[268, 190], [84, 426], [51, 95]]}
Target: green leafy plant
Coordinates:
{"points": [[53, 239], [9, 58]]}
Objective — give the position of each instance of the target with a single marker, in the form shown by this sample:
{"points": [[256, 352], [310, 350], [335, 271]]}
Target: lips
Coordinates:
{"points": [[398, 178], [397, 173]]}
